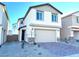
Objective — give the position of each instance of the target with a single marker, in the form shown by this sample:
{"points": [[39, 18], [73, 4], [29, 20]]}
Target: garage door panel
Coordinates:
{"points": [[45, 36], [76, 35]]}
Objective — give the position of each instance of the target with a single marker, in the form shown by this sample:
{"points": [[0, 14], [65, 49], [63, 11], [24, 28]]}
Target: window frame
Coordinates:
{"points": [[77, 19], [55, 17], [40, 18]]}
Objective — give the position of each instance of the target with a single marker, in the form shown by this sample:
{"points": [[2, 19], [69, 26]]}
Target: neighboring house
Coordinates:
{"points": [[3, 23], [41, 23], [70, 26]]}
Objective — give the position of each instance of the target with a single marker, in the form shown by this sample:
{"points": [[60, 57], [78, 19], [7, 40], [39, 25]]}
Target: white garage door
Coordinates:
{"points": [[76, 35], [45, 36]]}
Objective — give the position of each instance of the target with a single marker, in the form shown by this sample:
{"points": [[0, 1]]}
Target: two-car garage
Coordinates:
{"points": [[45, 35]]}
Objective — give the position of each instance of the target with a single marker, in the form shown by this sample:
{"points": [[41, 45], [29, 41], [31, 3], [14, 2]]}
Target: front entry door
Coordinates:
{"points": [[23, 34]]}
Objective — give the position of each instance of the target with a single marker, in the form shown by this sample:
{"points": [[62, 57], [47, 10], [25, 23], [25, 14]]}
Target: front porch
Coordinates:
{"points": [[73, 36]]}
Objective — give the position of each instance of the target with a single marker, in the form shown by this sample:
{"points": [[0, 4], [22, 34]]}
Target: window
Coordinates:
{"points": [[77, 19], [54, 17], [40, 15]]}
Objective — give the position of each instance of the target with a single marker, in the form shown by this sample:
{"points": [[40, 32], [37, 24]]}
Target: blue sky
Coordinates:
{"points": [[18, 9]]}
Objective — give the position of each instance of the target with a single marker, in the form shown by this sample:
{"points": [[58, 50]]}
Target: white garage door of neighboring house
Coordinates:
{"points": [[76, 35], [45, 36]]}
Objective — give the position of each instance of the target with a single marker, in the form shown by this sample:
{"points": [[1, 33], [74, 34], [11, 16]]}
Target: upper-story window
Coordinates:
{"points": [[77, 18], [54, 17], [40, 15]]}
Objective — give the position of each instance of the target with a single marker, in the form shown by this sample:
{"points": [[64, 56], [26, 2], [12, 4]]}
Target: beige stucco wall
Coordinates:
{"points": [[3, 25], [74, 20], [1, 11], [65, 31]]}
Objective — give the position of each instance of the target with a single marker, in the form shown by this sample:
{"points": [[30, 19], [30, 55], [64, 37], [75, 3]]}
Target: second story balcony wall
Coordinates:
{"points": [[47, 19], [75, 20]]}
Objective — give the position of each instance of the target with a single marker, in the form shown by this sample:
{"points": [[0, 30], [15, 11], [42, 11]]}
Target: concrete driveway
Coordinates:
{"points": [[13, 49]]}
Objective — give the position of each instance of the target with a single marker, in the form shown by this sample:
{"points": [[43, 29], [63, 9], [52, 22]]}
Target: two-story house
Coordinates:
{"points": [[3, 23], [41, 23], [70, 26]]}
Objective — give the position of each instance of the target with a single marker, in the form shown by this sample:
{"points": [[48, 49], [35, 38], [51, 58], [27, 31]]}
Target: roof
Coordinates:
{"points": [[21, 27], [5, 10], [39, 6], [2, 4], [70, 14], [19, 19], [6, 14]]}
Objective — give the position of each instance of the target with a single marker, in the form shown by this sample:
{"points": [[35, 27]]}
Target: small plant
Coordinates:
{"points": [[66, 40], [0, 46], [22, 44], [38, 45], [35, 49], [39, 53], [77, 40], [35, 43]]}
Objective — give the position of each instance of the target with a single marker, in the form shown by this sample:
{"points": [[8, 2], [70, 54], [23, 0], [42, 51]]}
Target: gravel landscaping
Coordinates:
{"points": [[13, 49]]}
